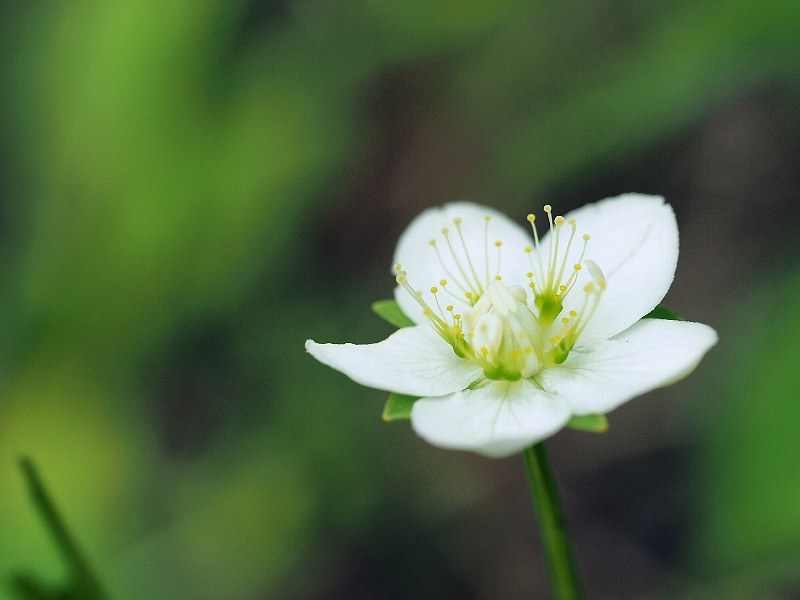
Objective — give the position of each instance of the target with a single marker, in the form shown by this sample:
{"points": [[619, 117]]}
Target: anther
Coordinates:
{"points": [[445, 230], [531, 218], [432, 242], [559, 221], [547, 208], [498, 243], [586, 237], [528, 249], [434, 289], [457, 221]]}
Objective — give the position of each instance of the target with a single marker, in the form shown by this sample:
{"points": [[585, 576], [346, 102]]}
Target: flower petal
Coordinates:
{"points": [[413, 360], [497, 420], [634, 241], [651, 354], [463, 271]]}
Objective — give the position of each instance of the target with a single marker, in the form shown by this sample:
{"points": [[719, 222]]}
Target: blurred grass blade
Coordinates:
{"points": [[84, 585], [390, 311], [398, 407], [663, 312], [593, 423]]}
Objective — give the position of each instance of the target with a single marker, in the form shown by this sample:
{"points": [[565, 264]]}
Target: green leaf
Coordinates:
{"points": [[398, 407], [593, 423], [663, 312], [390, 311]]}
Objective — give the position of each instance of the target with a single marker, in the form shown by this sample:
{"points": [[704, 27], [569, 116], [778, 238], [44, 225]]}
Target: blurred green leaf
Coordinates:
{"points": [[390, 311], [398, 407], [593, 423], [750, 517], [663, 312]]}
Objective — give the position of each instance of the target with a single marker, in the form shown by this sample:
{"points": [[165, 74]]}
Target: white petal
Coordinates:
{"points": [[413, 360], [634, 241], [497, 420], [418, 258], [653, 353]]}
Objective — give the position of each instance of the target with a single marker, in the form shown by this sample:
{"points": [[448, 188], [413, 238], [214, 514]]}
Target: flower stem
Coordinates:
{"points": [[564, 580]]}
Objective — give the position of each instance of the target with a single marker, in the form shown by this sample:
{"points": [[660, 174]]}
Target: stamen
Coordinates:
{"points": [[468, 283], [573, 228], [457, 223], [444, 266]]}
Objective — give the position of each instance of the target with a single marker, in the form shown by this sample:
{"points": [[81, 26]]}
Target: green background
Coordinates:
{"points": [[190, 189]]}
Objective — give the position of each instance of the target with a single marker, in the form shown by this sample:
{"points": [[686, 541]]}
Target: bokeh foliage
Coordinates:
{"points": [[169, 172]]}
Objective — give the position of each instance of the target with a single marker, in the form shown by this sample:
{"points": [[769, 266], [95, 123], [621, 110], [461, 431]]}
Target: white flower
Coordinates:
{"points": [[515, 334]]}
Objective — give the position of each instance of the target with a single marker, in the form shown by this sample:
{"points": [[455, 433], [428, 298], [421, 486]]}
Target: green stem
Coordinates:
{"points": [[561, 569], [85, 583]]}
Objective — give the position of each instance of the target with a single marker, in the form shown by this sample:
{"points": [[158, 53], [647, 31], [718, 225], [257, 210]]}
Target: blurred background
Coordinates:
{"points": [[191, 188]]}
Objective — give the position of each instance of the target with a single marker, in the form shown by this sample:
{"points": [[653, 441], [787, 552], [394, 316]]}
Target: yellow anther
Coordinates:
{"points": [[577, 267], [562, 288], [559, 221], [529, 275], [547, 208], [457, 221], [572, 221], [528, 249], [400, 279], [443, 282], [449, 308], [468, 295], [586, 237], [498, 243], [488, 217], [484, 351], [528, 350], [445, 230], [565, 320], [498, 278], [531, 218], [531, 285], [456, 317], [572, 313], [434, 289], [432, 242], [427, 312], [471, 334], [515, 354], [397, 268], [588, 288]]}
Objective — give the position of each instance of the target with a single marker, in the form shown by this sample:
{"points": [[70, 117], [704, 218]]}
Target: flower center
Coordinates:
{"points": [[511, 333]]}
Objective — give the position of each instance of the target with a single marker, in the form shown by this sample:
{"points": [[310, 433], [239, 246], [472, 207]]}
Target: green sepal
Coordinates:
{"points": [[398, 407], [593, 423], [390, 311], [663, 312]]}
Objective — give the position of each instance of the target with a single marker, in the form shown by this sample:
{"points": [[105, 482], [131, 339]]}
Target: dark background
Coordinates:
{"points": [[191, 188]]}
